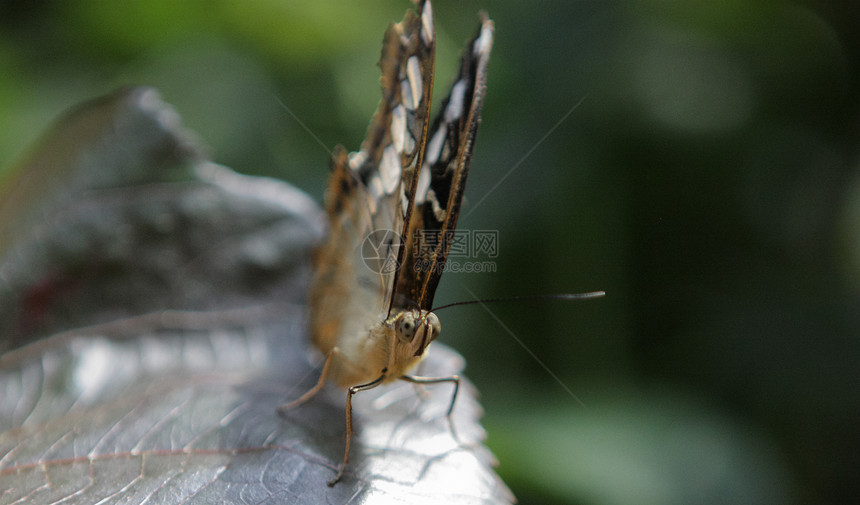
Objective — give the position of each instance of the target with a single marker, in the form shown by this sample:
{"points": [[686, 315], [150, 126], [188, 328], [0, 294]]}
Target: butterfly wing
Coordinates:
{"points": [[370, 193], [442, 179]]}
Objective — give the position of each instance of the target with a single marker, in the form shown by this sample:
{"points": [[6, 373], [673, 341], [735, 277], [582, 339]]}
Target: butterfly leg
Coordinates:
{"points": [[353, 390], [314, 390], [436, 380]]}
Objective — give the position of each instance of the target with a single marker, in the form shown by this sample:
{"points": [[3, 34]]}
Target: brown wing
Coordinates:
{"points": [[392, 154], [443, 176], [371, 192]]}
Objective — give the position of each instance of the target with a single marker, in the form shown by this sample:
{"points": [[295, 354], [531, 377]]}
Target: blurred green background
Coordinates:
{"points": [[708, 181]]}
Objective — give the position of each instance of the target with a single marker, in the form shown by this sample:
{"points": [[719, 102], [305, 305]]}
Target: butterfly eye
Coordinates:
{"points": [[406, 326]]}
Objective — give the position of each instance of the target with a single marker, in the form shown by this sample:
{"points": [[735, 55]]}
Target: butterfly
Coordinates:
{"points": [[392, 208]]}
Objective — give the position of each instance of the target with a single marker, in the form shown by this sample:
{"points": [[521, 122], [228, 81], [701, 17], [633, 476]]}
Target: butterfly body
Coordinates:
{"points": [[392, 207], [364, 341]]}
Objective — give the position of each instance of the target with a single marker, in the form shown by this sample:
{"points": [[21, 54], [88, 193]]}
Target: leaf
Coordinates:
{"points": [[152, 302]]}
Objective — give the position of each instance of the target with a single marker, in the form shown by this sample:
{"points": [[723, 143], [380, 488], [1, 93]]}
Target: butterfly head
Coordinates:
{"points": [[416, 329]]}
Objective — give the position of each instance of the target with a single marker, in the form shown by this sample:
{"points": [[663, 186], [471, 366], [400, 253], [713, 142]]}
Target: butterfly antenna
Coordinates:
{"points": [[527, 298]]}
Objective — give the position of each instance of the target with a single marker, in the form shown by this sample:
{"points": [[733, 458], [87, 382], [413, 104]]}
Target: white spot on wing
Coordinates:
{"points": [[389, 169], [455, 106], [423, 185], [406, 95], [427, 24], [434, 147], [357, 159], [482, 43], [438, 212], [398, 128], [413, 74]]}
